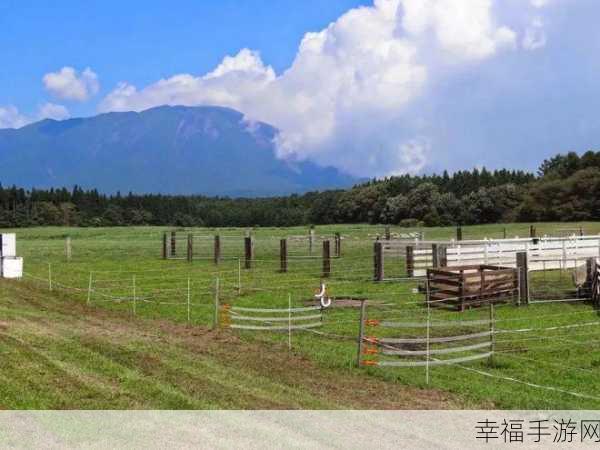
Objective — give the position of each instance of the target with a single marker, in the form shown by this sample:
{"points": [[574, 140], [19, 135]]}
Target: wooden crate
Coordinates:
{"points": [[462, 287]]}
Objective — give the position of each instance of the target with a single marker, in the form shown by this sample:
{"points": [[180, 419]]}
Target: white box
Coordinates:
{"points": [[11, 267], [8, 245]]}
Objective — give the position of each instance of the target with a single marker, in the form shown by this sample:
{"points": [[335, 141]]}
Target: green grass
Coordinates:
{"points": [[563, 361], [57, 354]]}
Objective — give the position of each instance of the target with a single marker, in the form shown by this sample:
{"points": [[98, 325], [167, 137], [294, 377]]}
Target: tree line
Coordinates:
{"points": [[566, 188]]}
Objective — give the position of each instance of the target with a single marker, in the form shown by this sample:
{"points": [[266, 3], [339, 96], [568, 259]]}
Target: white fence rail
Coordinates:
{"points": [[543, 253]]}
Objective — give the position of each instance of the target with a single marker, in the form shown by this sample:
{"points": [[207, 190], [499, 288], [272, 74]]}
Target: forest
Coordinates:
{"points": [[565, 188]]}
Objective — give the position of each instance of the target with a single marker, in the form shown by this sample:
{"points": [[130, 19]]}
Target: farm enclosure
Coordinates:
{"points": [[550, 346]]}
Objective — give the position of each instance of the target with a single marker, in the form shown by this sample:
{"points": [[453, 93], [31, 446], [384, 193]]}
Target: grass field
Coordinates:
{"points": [[139, 337]]}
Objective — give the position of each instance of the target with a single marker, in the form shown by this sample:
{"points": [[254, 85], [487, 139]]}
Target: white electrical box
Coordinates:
{"points": [[8, 247], [11, 267]]}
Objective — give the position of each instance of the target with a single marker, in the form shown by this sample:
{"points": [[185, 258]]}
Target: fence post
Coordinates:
{"points": [[190, 247], [410, 261], [378, 268], [164, 246], [217, 249], [326, 259], [435, 256], [492, 331], [459, 235], [173, 243], [50, 277], [532, 231], [283, 256], [248, 252], [68, 248], [311, 239], [216, 316], [461, 290], [361, 332], [522, 268], [338, 245], [504, 233], [590, 269], [443, 255], [388, 235]]}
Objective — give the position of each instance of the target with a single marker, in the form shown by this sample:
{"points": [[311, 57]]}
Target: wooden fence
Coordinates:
{"points": [[543, 253], [464, 287]]}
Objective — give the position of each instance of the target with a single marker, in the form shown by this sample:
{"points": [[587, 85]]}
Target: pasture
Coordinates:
{"points": [[544, 356]]}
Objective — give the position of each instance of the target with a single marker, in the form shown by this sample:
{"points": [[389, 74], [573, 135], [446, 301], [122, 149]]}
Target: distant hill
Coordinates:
{"points": [[171, 150]]}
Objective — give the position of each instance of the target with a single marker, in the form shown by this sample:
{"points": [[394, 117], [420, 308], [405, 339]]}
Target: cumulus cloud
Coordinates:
{"points": [[53, 111], [10, 117], [68, 84], [353, 94], [232, 83]]}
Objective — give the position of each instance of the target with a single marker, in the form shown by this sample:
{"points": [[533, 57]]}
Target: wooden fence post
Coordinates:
{"points": [[522, 268], [504, 233], [532, 232], [388, 235], [283, 256], [190, 247], [164, 246], [435, 261], [459, 235], [248, 252], [443, 255], [173, 243], [590, 266], [311, 239], [338, 245], [461, 290], [326, 259], [378, 268], [217, 249], [410, 261]]}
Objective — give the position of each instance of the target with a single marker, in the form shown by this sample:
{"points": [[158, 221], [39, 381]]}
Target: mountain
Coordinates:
{"points": [[171, 150]]}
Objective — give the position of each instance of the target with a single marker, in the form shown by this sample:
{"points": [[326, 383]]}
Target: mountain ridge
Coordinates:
{"points": [[208, 150]]}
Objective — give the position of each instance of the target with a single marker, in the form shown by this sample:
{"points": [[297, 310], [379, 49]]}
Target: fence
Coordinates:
{"points": [[543, 253], [217, 248], [464, 287], [427, 344]]}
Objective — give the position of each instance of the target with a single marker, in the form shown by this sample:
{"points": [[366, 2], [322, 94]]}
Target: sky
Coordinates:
{"points": [[374, 88]]}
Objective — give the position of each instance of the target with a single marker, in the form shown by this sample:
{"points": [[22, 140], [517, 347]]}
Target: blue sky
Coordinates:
{"points": [[143, 41], [374, 87]]}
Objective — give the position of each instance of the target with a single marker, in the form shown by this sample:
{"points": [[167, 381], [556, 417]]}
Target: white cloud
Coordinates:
{"points": [[67, 84], [10, 117], [465, 29], [234, 81], [347, 98], [53, 111], [535, 35]]}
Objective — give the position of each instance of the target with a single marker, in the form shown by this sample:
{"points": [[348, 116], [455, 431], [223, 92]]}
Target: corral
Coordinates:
{"points": [[536, 355], [462, 287]]}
